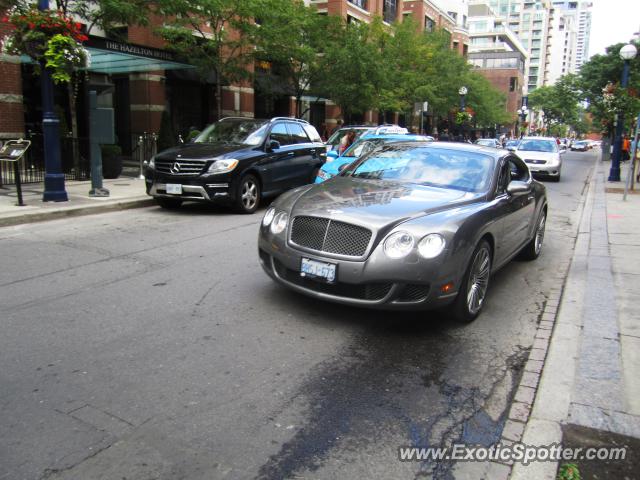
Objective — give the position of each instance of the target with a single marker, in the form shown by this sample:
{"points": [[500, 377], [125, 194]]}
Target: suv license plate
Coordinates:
{"points": [[315, 269], [174, 188]]}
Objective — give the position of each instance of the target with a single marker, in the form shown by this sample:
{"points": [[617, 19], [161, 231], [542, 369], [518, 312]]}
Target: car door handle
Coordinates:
{"points": [[313, 150], [290, 154]]}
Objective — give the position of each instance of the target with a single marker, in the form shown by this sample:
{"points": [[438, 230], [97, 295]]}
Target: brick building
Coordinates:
{"points": [[140, 80]]}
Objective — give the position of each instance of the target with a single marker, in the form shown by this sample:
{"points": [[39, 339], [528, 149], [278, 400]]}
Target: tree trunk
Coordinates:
{"points": [[298, 105], [219, 98]]}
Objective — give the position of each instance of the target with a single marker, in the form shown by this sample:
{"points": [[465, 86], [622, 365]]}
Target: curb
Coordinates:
{"points": [[527, 390], [69, 212]]}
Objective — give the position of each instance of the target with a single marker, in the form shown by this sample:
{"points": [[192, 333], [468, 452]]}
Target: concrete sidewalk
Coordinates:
{"points": [[590, 376], [125, 192]]}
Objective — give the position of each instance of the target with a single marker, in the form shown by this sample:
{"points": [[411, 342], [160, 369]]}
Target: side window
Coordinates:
{"points": [[297, 132], [504, 178], [280, 134], [312, 133]]}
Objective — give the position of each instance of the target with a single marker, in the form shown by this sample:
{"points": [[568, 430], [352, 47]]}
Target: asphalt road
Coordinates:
{"points": [[149, 344]]}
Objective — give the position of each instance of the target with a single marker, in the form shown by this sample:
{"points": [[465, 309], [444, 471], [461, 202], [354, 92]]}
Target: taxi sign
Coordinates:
{"points": [[391, 130]]}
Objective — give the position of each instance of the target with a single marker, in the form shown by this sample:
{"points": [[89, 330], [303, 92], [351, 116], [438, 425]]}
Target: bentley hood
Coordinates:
{"points": [[376, 203]]}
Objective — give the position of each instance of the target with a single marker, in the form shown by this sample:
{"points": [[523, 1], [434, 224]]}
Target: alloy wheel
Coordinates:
{"points": [[478, 280], [540, 233], [249, 194]]}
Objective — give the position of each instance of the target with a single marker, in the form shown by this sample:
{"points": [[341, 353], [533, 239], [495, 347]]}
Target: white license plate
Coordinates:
{"points": [[174, 188], [315, 269]]}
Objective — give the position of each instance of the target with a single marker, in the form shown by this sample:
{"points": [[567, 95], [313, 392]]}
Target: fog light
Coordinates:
{"points": [[446, 288]]}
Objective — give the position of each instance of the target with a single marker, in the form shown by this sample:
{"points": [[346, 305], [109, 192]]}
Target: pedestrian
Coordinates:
{"points": [[324, 132], [347, 141], [626, 147], [338, 126], [444, 136]]}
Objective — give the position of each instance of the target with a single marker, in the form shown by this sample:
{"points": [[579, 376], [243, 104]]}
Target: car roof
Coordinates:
{"points": [[539, 138], [466, 147], [393, 136]]}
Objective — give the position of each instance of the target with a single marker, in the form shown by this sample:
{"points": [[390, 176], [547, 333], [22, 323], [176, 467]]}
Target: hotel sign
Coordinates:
{"points": [[131, 49]]}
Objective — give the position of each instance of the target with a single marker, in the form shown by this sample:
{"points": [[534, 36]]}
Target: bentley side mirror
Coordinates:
{"points": [[273, 145], [516, 187], [511, 149]]}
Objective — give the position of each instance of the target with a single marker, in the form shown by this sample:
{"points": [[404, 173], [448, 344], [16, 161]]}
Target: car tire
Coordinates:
{"points": [[467, 305], [248, 197], [532, 250], [169, 203]]}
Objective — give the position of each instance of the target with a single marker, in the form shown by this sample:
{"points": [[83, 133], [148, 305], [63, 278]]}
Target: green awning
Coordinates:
{"points": [[109, 62]]}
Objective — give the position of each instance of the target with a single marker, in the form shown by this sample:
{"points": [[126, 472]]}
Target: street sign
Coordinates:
{"points": [[12, 151]]}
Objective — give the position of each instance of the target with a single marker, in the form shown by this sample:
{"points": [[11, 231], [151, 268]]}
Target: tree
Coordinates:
{"points": [[560, 102], [600, 82], [214, 35], [350, 71], [293, 38]]}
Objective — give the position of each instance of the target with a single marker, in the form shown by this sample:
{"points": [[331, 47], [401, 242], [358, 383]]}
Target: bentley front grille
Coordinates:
{"points": [[330, 236]]}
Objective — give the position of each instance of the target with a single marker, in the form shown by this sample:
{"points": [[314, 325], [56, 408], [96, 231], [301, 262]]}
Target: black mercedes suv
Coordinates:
{"points": [[237, 161]]}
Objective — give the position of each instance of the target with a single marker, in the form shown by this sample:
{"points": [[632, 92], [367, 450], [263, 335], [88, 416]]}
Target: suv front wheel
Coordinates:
{"points": [[248, 197]]}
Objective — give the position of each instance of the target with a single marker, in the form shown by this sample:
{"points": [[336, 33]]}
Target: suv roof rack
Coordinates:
{"points": [[291, 119]]}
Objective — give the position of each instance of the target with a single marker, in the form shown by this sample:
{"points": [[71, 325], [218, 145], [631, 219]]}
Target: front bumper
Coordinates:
{"points": [[199, 189], [376, 282], [546, 170]]}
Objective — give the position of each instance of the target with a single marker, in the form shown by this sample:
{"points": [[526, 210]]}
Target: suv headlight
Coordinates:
{"points": [[268, 217], [222, 166], [279, 223], [152, 162], [398, 245], [431, 246]]}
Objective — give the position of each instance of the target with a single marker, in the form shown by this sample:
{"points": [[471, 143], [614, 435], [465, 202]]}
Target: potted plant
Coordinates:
{"points": [[111, 161]]}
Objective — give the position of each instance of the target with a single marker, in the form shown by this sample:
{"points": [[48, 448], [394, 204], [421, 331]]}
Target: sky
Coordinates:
{"points": [[613, 21]]}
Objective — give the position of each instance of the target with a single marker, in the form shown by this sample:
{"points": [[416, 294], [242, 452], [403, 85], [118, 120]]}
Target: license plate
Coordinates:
{"points": [[315, 269], [174, 188]]}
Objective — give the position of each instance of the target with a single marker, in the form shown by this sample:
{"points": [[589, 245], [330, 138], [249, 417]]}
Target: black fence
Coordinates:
{"points": [[74, 156]]}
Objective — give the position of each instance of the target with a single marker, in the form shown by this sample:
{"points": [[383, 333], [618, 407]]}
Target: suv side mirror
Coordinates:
{"points": [[273, 145], [516, 187]]}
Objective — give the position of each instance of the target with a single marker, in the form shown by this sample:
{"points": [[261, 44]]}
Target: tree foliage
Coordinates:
{"points": [[217, 36], [560, 102], [600, 80]]}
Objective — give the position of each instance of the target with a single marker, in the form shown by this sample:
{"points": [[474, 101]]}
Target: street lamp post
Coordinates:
{"points": [[522, 112], [462, 92], [54, 190], [627, 53]]}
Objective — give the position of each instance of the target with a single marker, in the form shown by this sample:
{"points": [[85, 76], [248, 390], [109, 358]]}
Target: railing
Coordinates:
{"points": [[146, 147], [74, 155]]}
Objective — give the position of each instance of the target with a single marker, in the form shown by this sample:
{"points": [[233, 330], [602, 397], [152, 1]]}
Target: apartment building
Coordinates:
{"points": [[496, 52], [570, 46], [531, 21]]}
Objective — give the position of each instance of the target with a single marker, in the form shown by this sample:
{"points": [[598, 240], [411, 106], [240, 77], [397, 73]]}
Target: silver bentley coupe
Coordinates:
{"points": [[407, 226]]}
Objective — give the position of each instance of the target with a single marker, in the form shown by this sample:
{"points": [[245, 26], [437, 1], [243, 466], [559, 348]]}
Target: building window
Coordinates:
{"points": [[389, 10], [476, 62], [359, 3], [456, 46], [513, 84], [429, 24]]}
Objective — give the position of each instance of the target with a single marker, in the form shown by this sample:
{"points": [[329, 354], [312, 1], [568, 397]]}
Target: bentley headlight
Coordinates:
{"points": [[222, 166], [398, 245], [152, 162], [279, 223], [431, 246], [268, 217]]}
